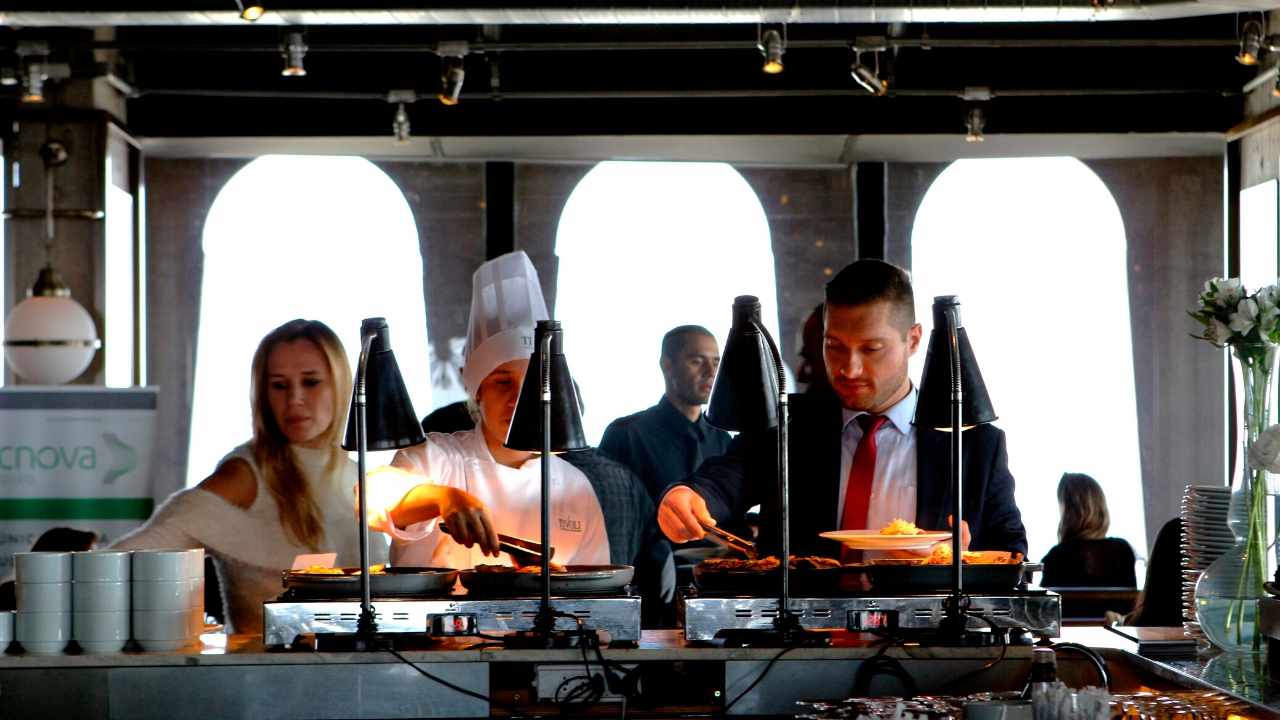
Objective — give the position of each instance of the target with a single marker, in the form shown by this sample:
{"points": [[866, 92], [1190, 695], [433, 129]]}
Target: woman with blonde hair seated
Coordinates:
{"points": [[285, 492], [1084, 555]]}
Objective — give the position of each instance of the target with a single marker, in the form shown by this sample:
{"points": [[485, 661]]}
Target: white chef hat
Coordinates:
{"points": [[506, 303]]}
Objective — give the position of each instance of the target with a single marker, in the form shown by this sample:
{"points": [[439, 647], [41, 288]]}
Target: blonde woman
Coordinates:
{"points": [[1084, 555], [285, 492]]}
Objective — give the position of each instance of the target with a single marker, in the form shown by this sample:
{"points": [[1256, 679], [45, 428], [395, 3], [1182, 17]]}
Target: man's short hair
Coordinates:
{"points": [[867, 281], [673, 341]]}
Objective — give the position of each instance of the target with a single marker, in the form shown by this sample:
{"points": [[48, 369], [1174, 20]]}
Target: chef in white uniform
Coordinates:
{"points": [[470, 479]]}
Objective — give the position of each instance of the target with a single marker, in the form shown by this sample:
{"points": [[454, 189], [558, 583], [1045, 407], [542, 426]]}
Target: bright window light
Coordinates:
{"points": [[1258, 216], [644, 247], [1036, 250], [323, 238], [119, 260]]}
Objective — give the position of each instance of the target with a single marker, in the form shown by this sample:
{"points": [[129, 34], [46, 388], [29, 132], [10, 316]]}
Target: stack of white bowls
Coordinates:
{"points": [[1205, 537], [6, 629], [43, 588], [168, 598], [100, 600]]}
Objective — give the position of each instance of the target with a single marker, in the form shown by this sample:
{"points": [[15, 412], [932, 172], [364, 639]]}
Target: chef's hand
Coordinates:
{"points": [[682, 514], [466, 520], [964, 531]]}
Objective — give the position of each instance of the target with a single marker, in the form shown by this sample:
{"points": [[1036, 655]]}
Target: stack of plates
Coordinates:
{"points": [[1205, 537]]}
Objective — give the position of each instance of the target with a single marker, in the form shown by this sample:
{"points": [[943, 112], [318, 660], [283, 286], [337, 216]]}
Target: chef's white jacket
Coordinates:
{"points": [[510, 495]]}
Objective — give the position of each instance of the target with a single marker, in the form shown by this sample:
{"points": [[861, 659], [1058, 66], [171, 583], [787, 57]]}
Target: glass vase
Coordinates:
{"points": [[1228, 591]]}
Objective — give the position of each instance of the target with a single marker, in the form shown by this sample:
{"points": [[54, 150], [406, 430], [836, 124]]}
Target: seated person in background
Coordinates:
{"points": [[1160, 603], [470, 480], [59, 539], [285, 492], [1084, 555]]}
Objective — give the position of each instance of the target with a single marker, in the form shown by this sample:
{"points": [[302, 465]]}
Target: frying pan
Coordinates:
{"points": [[577, 579], [404, 580]]}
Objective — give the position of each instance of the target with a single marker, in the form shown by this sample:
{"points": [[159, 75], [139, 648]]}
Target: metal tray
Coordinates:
{"points": [[577, 579], [393, 581], [938, 577], [822, 581]]}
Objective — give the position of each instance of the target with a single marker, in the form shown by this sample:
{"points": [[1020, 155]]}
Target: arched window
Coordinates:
{"points": [[323, 238], [644, 247], [1036, 250]]}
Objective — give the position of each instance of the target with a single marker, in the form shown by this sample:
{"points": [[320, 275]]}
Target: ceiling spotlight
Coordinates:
{"points": [[451, 76], [401, 124], [8, 76], [868, 78], [974, 123], [1250, 43], [250, 10], [293, 50], [1275, 89], [33, 92], [772, 45]]}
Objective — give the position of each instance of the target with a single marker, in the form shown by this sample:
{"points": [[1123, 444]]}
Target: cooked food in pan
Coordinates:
{"points": [[942, 556], [529, 569], [807, 562], [322, 570]]}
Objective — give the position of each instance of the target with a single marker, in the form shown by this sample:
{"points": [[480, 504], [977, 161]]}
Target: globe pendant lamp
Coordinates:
{"points": [[50, 339]]}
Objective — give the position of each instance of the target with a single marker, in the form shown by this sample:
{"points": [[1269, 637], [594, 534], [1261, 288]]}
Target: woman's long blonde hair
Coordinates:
{"points": [[1084, 508], [299, 512]]}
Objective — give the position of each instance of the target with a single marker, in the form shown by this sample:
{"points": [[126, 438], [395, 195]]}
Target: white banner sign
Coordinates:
{"points": [[73, 456]]}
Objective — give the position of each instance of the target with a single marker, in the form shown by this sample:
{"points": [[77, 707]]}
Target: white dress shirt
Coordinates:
{"points": [[893, 491]]}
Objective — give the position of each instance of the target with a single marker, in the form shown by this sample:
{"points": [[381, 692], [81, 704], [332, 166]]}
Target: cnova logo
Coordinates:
{"points": [[48, 457], [123, 458]]}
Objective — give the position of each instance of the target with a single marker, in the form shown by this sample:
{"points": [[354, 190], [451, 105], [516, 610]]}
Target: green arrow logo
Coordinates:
{"points": [[123, 458]]}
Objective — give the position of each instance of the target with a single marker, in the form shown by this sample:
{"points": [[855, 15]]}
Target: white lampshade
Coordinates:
{"points": [[49, 340]]}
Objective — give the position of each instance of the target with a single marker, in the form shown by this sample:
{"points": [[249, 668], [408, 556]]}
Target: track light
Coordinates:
{"points": [[772, 45], [974, 123], [401, 124], [1250, 43], [294, 51], [1275, 88], [8, 76], [250, 10], [33, 92], [869, 79], [451, 76]]}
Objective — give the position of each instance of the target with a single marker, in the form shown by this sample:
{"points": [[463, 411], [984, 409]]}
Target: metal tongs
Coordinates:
{"points": [[523, 552], [731, 541]]}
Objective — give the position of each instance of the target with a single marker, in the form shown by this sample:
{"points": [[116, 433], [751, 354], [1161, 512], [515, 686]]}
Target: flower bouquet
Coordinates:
{"points": [[1227, 592]]}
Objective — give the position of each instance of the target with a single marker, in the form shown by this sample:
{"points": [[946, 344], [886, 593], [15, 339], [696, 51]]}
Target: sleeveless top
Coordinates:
{"points": [[251, 547]]}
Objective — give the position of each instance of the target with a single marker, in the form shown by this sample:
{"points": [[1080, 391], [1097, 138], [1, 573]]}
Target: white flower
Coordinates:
{"points": [[1264, 453], [1245, 316], [1267, 297], [1267, 323], [1217, 332], [1230, 292]]}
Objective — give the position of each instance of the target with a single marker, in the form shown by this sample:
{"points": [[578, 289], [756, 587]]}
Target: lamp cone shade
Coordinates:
{"points": [[933, 408], [745, 395], [525, 432], [390, 422]]}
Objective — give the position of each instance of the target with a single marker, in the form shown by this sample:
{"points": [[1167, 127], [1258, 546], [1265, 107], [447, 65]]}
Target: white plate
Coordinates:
{"points": [[873, 540]]}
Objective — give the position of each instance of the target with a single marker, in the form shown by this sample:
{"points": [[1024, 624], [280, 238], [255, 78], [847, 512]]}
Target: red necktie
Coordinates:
{"points": [[862, 473]]}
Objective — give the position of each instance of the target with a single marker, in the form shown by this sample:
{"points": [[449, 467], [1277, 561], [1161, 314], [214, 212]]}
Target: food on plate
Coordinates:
{"points": [[941, 555], [319, 570], [807, 562], [898, 526], [528, 569]]}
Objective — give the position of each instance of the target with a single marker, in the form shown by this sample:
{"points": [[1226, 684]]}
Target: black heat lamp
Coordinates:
{"points": [[952, 399], [546, 420], [381, 418], [750, 394]]}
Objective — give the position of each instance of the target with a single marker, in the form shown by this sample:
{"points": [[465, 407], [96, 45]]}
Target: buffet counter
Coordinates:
{"points": [[236, 678]]}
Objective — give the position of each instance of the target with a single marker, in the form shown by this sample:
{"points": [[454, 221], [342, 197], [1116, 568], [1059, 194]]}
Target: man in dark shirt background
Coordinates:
{"points": [[667, 442]]}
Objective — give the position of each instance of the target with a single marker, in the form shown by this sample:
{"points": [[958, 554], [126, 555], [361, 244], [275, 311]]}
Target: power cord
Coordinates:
{"points": [[882, 664], [759, 677], [1004, 647], [1099, 664], [446, 683]]}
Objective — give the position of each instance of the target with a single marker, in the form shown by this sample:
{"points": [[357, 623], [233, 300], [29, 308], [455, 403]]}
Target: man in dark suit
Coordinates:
{"points": [[842, 476]]}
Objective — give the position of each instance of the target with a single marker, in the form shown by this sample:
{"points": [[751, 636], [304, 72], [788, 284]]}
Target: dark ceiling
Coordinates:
{"points": [[224, 80]]}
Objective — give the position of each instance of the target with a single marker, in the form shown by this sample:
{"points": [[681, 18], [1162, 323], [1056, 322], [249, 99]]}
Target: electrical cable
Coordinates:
{"points": [[882, 664], [446, 683], [1004, 647], [759, 677], [1099, 664]]}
